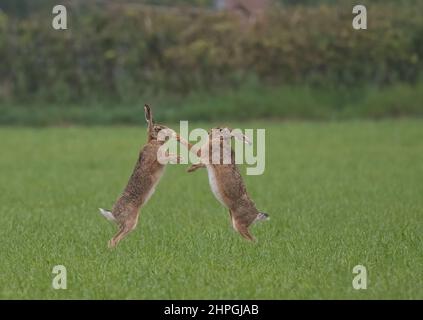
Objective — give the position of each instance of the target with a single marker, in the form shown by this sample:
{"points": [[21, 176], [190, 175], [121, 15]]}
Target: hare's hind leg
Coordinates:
{"points": [[118, 236], [127, 226], [242, 228]]}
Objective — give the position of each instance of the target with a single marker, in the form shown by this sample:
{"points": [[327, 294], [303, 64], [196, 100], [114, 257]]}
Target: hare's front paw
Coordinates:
{"points": [[195, 167], [192, 168]]}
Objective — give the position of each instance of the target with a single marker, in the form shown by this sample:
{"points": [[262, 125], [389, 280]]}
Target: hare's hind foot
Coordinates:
{"points": [[124, 229], [245, 233], [243, 230], [241, 227]]}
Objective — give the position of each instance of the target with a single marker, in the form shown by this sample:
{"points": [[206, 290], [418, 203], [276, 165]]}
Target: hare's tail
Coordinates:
{"points": [[262, 216], [107, 214]]}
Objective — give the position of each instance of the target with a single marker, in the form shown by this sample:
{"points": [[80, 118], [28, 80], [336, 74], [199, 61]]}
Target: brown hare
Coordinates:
{"points": [[141, 184], [225, 180]]}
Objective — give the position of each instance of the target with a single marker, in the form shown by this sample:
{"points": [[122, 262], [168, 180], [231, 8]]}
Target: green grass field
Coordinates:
{"points": [[339, 195]]}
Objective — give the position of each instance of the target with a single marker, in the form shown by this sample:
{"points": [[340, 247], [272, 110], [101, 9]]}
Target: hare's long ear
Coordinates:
{"points": [[237, 134], [148, 117]]}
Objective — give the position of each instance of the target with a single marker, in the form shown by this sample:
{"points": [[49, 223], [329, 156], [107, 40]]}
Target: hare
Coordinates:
{"points": [[226, 181], [141, 184]]}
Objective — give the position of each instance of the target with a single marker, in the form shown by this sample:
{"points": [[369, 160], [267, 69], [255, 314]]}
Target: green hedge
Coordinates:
{"points": [[122, 52]]}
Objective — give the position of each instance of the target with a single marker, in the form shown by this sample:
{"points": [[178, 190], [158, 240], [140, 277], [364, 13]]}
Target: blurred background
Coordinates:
{"points": [[208, 60]]}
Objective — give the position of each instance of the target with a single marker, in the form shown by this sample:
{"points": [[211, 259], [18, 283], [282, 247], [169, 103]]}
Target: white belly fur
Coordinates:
{"points": [[153, 188], [149, 194], [213, 184]]}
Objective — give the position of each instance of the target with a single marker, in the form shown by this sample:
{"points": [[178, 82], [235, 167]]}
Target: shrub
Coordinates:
{"points": [[121, 53]]}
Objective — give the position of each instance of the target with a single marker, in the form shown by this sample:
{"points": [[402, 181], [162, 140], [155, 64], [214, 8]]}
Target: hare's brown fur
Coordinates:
{"points": [[231, 190], [141, 184]]}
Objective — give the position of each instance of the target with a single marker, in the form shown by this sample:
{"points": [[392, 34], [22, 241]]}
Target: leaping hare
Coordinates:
{"points": [[226, 181], [141, 184]]}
